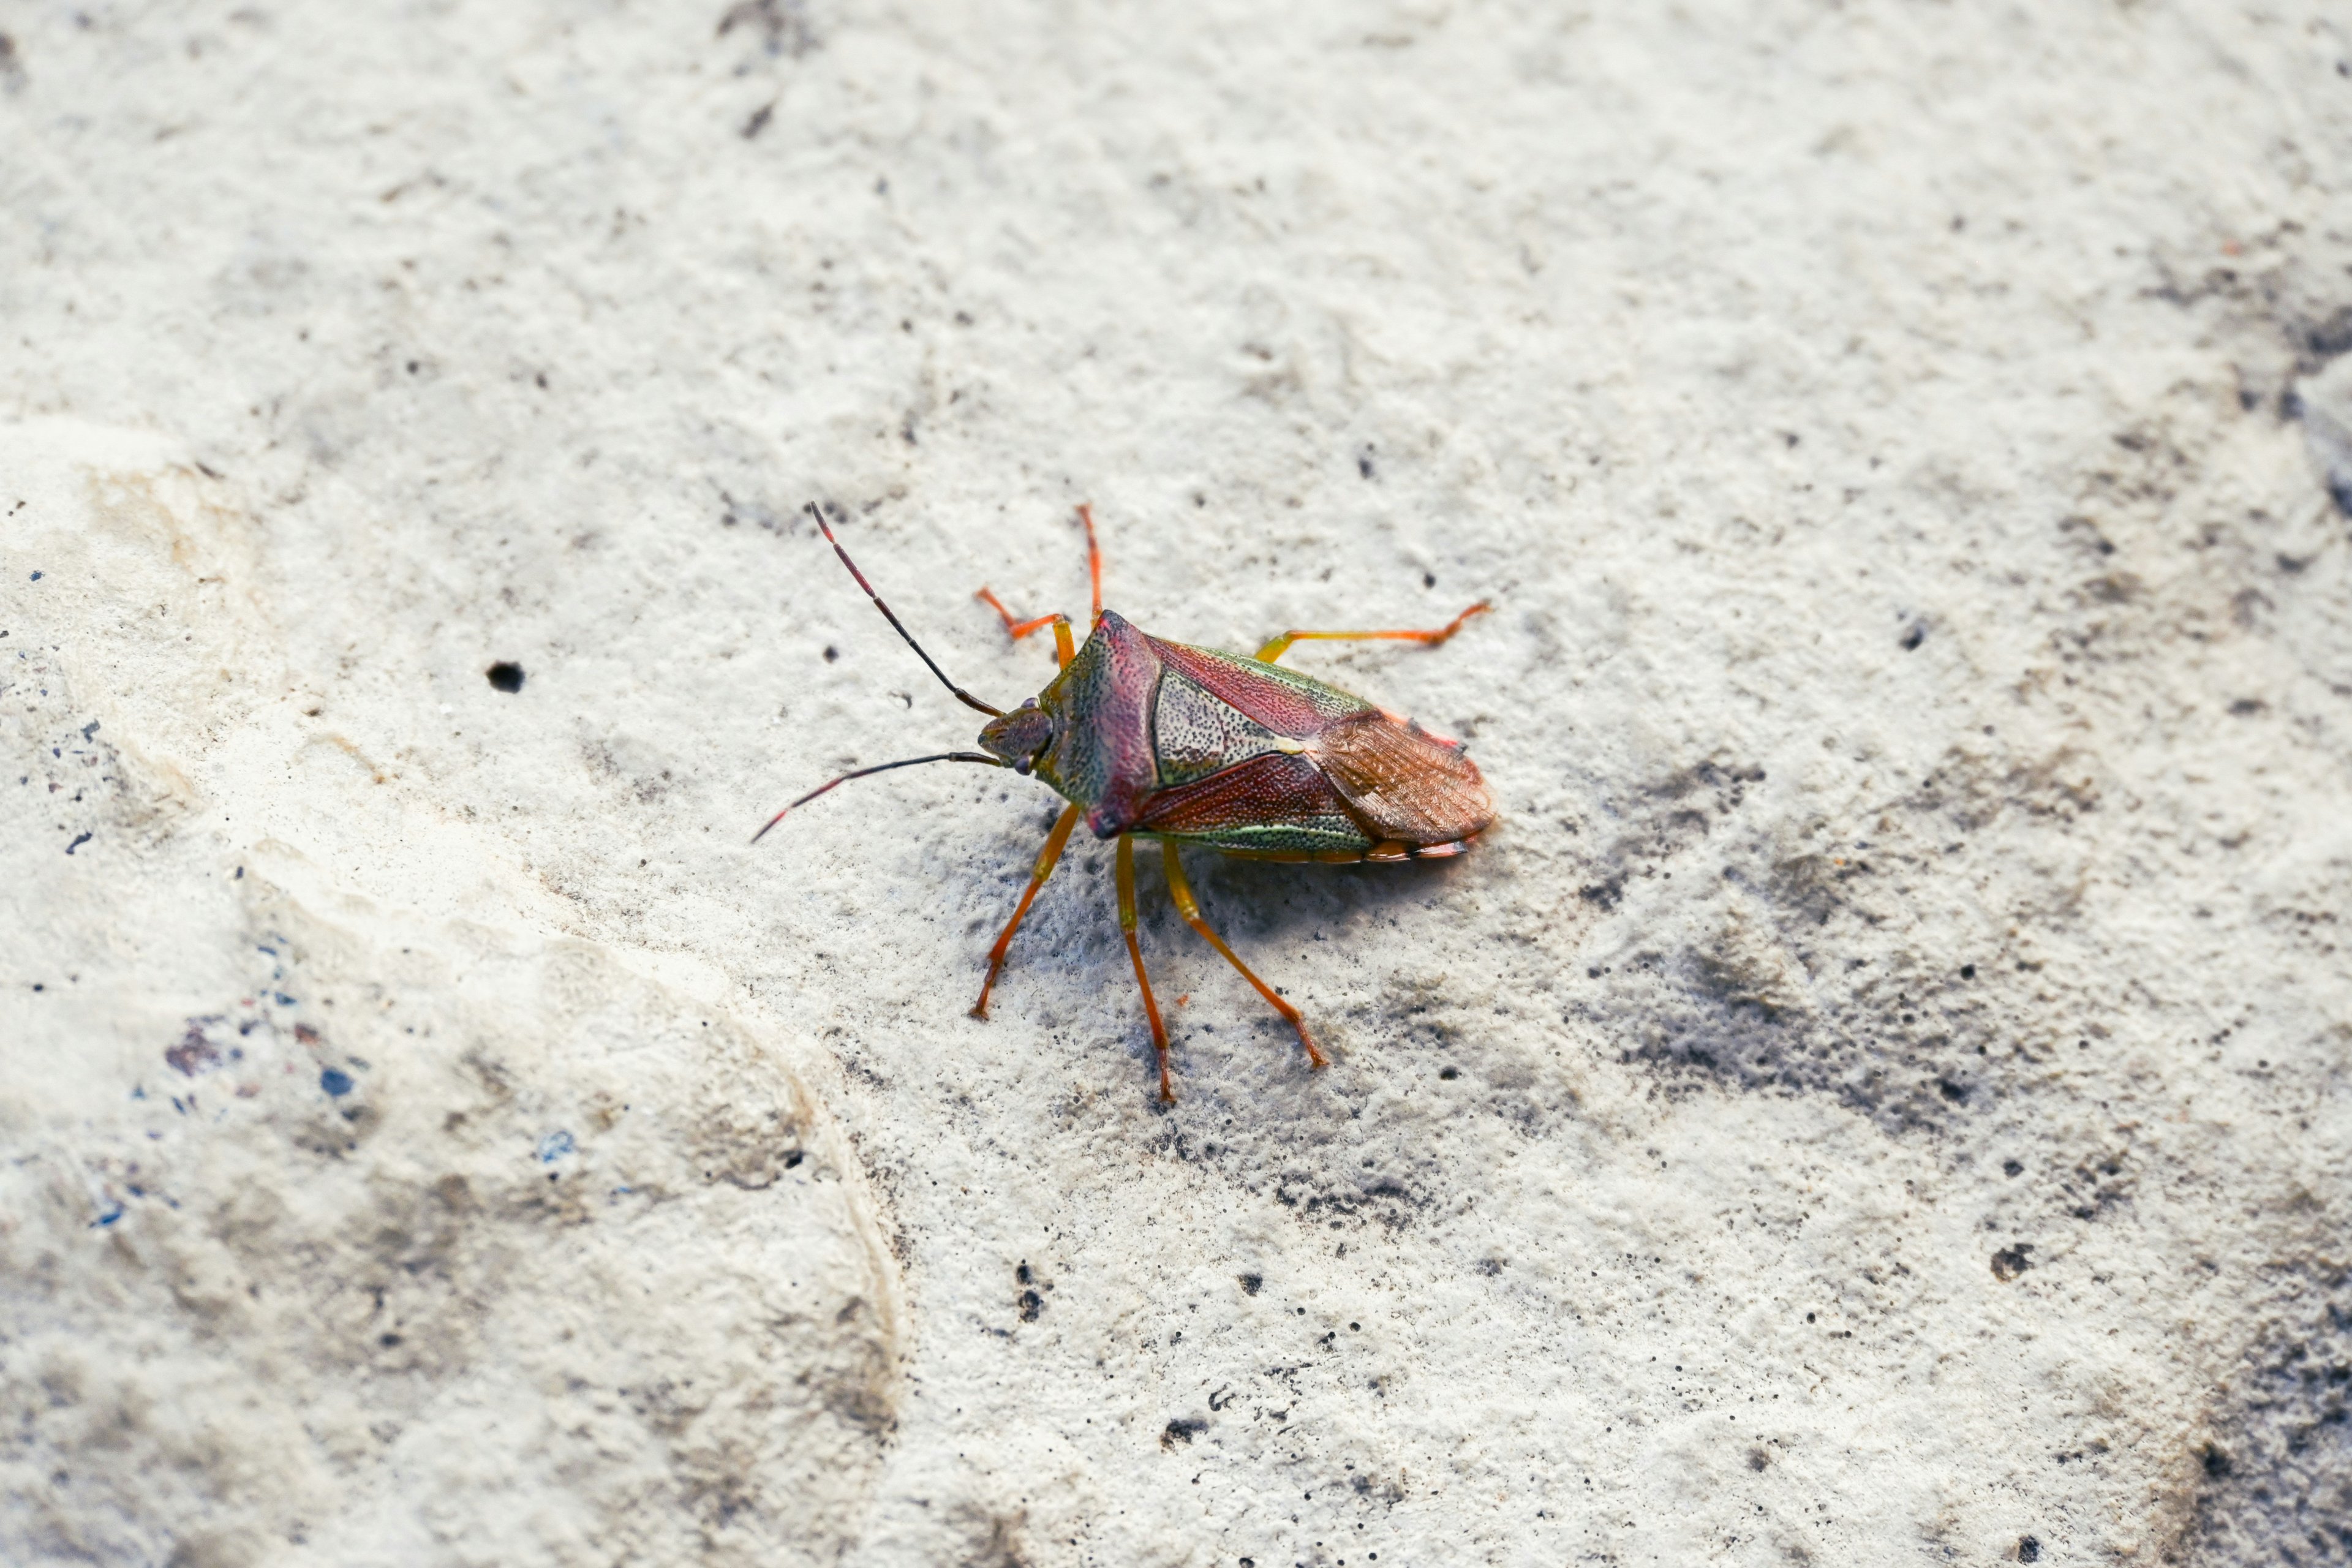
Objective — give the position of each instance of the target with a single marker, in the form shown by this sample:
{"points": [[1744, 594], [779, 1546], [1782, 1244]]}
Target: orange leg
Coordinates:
{"points": [[1275, 649], [1094, 557], [1046, 859], [1135, 952], [1181, 891], [1063, 649], [1013, 624]]}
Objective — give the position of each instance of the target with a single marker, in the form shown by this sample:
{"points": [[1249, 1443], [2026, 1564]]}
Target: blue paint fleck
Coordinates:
{"points": [[282, 999], [554, 1146], [112, 1212], [37, 576], [77, 842], [335, 1081]]}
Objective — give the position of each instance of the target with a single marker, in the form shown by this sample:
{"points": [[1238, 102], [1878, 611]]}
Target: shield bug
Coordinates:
{"points": [[1150, 738]]}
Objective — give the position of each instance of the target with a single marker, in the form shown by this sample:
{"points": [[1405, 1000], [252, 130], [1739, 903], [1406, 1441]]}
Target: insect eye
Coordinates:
{"points": [[1021, 765]]}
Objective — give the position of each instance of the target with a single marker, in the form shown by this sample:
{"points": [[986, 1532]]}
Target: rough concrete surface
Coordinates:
{"points": [[1883, 1093]]}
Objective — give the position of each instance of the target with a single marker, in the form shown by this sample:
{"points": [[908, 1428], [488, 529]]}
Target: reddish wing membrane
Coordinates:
{"points": [[1415, 787]]}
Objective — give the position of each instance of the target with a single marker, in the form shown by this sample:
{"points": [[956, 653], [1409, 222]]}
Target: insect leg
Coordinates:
{"points": [[1275, 649], [1094, 557], [1125, 862], [1013, 624], [1063, 649], [1181, 891], [1044, 868]]}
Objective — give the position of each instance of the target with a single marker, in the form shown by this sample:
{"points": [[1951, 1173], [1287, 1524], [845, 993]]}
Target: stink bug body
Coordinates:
{"points": [[1150, 738]]}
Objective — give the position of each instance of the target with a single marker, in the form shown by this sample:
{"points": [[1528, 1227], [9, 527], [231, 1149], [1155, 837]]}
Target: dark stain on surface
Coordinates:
{"points": [[1788, 983], [194, 1054], [781, 26], [1317, 1196], [1182, 1429], [2274, 1482]]}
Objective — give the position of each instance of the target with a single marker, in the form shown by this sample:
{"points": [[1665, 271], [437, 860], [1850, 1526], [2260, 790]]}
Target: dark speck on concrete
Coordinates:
{"points": [[506, 676], [336, 1082]]}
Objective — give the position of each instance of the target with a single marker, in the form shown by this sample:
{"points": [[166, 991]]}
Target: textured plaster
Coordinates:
{"points": [[1884, 1092]]}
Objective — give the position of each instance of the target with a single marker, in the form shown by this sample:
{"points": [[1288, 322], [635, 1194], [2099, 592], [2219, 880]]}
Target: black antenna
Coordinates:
{"points": [[877, 768], [963, 695]]}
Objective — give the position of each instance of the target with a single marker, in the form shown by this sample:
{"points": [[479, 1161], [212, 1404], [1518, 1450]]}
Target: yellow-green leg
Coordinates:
{"points": [[1275, 649], [1181, 891], [1126, 877], [1046, 859]]}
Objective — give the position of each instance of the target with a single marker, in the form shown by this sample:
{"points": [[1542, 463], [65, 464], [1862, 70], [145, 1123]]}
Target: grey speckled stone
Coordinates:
{"points": [[1880, 1094]]}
